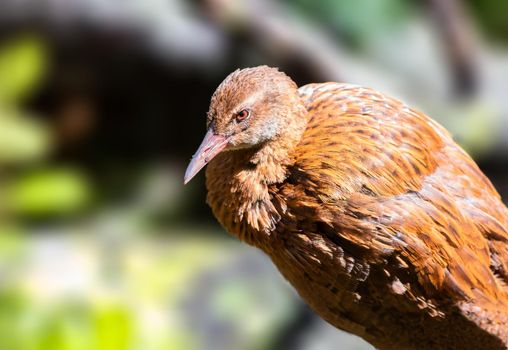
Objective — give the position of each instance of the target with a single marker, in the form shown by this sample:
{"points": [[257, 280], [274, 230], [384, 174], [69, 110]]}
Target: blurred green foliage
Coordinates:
{"points": [[22, 139], [48, 192], [492, 15], [25, 141], [156, 302], [27, 190], [26, 325], [360, 22], [23, 63]]}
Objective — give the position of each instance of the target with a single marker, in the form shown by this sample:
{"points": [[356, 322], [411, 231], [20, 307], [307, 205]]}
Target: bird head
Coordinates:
{"points": [[249, 108]]}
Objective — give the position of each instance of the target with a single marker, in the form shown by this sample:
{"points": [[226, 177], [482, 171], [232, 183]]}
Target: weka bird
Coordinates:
{"points": [[381, 222]]}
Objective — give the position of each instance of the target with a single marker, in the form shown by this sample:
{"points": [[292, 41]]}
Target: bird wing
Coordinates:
{"points": [[390, 180]]}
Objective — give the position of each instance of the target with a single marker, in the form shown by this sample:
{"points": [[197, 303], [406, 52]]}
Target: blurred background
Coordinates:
{"points": [[103, 102]]}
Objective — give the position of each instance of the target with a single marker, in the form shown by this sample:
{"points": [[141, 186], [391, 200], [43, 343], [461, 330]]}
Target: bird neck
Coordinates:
{"points": [[241, 184], [267, 163]]}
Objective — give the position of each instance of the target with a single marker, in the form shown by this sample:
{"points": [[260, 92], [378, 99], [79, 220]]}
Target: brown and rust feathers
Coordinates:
{"points": [[397, 181], [382, 223]]}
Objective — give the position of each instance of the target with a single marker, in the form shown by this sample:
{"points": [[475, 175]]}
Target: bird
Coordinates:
{"points": [[383, 224]]}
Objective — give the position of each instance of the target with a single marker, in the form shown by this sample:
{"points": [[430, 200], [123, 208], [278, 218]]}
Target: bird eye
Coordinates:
{"points": [[242, 115]]}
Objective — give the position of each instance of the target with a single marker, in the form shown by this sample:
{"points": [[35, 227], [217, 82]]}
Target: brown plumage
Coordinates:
{"points": [[381, 222]]}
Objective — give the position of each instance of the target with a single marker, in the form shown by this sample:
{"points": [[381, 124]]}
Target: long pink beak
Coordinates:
{"points": [[211, 146]]}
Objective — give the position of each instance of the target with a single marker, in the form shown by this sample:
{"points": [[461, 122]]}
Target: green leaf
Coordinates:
{"points": [[22, 139], [49, 192], [23, 61], [114, 327]]}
